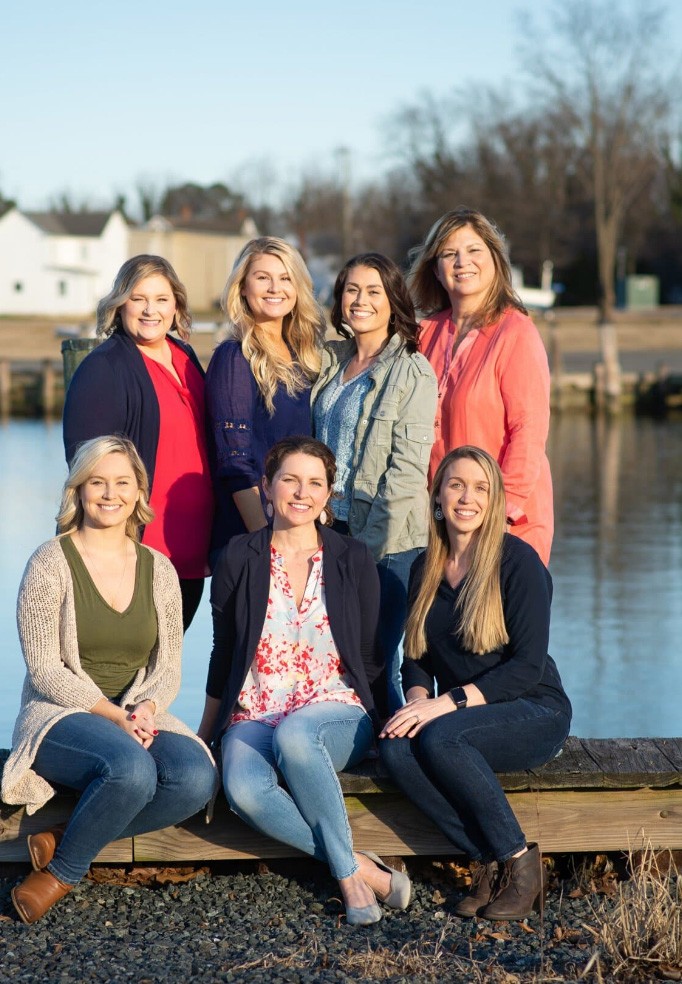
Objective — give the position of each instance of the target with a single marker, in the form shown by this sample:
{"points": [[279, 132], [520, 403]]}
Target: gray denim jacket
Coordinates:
{"points": [[392, 448]]}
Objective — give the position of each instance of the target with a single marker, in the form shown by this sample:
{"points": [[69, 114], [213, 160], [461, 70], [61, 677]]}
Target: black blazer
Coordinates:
{"points": [[239, 598]]}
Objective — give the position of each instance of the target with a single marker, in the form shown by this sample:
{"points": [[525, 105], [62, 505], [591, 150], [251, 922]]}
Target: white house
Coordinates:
{"points": [[59, 263]]}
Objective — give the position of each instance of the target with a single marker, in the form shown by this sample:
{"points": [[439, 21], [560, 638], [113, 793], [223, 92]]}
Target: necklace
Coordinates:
{"points": [[113, 597]]}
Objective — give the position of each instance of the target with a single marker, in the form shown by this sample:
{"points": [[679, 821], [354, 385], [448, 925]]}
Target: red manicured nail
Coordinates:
{"points": [[155, 732], [132, 717]]}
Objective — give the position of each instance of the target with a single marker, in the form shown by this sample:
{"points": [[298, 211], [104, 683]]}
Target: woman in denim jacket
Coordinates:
{"points": [[374, 405]]}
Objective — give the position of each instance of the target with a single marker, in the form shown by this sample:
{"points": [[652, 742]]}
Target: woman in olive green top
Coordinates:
{"points": [[100, 625]]}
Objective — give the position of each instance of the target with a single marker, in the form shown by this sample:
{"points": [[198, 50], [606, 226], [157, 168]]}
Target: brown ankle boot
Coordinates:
{"points": [[42, 846], [481, 891], [520, 887], [37, 894]]}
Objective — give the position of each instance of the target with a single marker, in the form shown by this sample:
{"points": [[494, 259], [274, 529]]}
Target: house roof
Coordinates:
{"points": [[70, 223]]}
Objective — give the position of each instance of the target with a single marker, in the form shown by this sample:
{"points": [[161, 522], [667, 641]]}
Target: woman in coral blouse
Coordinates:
{"points": [[491, 364]]}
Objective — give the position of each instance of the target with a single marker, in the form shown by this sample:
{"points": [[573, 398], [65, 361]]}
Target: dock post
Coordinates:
{"points": [[48, 388], [5, 388]]}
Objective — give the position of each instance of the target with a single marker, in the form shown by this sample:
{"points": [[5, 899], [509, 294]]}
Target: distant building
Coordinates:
{"points": [[61, 263]]}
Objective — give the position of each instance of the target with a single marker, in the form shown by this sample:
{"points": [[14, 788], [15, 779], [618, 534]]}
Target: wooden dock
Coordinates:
{"points": [[599, 795]]}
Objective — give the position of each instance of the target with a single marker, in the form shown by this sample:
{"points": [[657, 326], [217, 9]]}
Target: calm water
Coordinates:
{"points": [[616, 564]]}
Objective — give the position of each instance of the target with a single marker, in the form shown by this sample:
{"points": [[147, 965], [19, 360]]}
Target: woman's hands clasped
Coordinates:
{"points": [[140, 723], [409, 720]]}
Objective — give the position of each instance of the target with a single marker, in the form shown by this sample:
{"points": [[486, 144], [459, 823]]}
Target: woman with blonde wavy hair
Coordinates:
{"points": [[101, 633], [483, 695], [258, 381], [146, 384]]}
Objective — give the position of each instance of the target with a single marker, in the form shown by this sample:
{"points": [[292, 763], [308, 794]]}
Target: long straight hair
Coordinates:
{"points": [[479, 605], [428, 293], [303, 328]]}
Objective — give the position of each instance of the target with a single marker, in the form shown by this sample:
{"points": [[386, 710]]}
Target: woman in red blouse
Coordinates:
{"points": [[145, 384]]}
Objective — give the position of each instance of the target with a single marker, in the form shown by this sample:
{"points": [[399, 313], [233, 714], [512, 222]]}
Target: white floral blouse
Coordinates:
{"points": [[296, 662]]}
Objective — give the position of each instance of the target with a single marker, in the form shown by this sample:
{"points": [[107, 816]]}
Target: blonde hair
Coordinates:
{"points": [[130, 274], [479, 605], [303, 328], [430, 296], [85, 461]]}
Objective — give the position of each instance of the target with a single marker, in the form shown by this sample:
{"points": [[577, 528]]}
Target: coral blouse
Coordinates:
{"points": [[296, 662], [494, 394]]}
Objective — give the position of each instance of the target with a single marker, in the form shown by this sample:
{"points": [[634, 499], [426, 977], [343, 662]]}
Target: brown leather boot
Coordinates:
{"points": [[481, 891], [37, 894], [42, 846], [520, 887]]}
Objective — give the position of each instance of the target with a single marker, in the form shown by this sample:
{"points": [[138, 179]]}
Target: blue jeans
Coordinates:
{"points": [[125, 789], [394, 576], [449, 769], [307, 749]]}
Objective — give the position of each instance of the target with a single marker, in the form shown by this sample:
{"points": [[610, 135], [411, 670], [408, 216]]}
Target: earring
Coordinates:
{"points": [[438, 512], [391, 320], [323, 517], [269, 510]]}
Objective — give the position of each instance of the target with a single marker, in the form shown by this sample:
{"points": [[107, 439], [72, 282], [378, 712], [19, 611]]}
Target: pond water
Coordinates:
{"points": [[616, 565]]}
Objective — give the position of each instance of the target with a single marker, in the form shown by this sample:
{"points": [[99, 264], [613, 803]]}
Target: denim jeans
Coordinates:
{"points": [[449, 769], [394, 576], [306, 749], [125, 789]]}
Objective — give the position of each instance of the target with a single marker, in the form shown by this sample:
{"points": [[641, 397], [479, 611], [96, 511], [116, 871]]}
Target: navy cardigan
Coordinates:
{"points": [[239, 598], [112, 393]]}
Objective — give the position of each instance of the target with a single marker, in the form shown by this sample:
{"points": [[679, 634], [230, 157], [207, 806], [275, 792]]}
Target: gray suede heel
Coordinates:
{"points": [[401, 888]]}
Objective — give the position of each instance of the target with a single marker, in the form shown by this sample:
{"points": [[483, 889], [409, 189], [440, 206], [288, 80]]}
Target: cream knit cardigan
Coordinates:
{"points": [[56, 684]]}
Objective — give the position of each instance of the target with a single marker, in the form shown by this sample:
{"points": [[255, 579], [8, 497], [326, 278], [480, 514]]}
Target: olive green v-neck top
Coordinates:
{"points": [[113, 645]]}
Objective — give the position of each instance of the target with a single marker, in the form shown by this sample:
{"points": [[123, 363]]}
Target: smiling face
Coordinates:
{"points": [[109, 495], [365, 305], [299, 490], [463, 496], [466, 269], [268, 289], [148, 314]]}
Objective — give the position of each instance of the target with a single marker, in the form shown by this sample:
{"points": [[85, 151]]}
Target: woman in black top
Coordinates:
{"points": [[478, 630]]}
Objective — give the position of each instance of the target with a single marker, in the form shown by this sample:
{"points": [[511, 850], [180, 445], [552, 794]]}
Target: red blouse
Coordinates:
{"points": [[182, 495]]}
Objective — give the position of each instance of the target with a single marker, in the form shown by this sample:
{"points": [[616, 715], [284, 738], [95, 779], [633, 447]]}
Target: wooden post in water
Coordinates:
{"points": [[5, 387], [48, 388]]}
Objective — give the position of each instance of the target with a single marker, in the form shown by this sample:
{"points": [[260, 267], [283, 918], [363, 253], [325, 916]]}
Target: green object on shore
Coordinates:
{"points": [[74, 351]]}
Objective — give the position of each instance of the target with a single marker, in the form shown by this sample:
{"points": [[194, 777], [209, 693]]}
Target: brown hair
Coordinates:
{"points": [[132, 271], [428, 293], [403, 321], [303, 445]]}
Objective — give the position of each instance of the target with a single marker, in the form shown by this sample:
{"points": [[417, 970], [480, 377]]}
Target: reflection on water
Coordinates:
{"points": [[616, 564]]}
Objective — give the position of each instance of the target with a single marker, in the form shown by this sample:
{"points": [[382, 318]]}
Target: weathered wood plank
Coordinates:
{"points": [[672, 749], [16, 825], [632, 762]]}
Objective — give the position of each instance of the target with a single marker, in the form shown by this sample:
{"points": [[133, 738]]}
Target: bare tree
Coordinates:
{"points": [[598, 64]]}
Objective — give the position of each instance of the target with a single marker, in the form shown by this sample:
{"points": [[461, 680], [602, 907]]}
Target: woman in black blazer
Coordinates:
{"points": [[289, 692]]}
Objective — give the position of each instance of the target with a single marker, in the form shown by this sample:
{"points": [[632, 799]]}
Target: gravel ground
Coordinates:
{"points": [[283, 923]]}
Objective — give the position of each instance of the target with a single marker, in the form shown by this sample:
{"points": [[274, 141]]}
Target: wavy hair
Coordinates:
{"points": [[302, 444], [130, 274], [85, 461], [428, 293], [479, 605], [303, 328], [402, 321]]}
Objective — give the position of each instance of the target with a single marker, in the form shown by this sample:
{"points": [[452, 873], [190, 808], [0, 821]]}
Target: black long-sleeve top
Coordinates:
{"points": [[522, 668]]}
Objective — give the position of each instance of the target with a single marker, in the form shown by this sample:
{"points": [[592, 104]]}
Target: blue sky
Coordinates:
{"points": [[94, 96]]}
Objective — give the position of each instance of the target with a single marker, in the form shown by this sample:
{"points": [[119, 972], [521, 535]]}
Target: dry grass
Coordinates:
{"points": [[641, 936]]}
